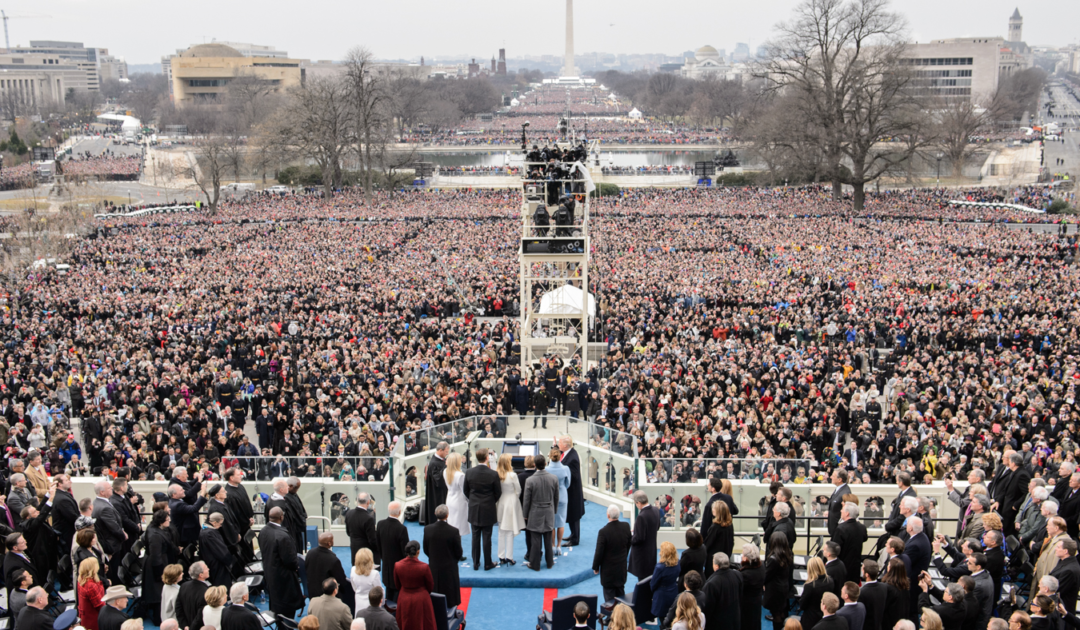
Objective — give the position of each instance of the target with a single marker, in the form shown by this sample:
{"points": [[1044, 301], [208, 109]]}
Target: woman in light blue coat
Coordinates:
{"points": [[562, 473]]}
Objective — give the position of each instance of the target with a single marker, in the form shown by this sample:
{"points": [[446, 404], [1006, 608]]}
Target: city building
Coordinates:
{"points": [[201, 74], [741, 54], [705, 62], [96, 63], [245, 50], [501, 68], [969, 67], [28, 89]]}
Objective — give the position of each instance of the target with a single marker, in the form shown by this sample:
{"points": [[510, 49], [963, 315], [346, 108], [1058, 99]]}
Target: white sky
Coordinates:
{"points": [[142, 31]]}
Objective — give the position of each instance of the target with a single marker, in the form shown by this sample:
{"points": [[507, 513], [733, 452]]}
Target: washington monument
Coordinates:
{"points": [[569, 70]]}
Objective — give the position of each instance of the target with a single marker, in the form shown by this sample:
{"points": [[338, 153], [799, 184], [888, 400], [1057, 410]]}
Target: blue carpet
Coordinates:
{"points": [[570, 569]]}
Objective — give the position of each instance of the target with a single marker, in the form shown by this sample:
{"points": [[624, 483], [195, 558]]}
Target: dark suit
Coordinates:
{"points": [[64, 514], [376, 618], [13, 562], [832, 622], [1070, 511], [108, 526], [575, 496], [838, 572], [33, 619], [1009, 491], [854, 613], [612, 550], [643, 542], [1067, 573], [442, 546], [723, 595], [952, 615], [185, 519], [236, 617], [392, 537], [482, 488], [836, 505], [918, 552], [850, 535], [321, 563], [995, 566], [873, 595], [810, 602], [360, 526], [216, 555], [435, 489], [189, 603], [110, 618], [785, 526], [281, 570], [706, 512]]}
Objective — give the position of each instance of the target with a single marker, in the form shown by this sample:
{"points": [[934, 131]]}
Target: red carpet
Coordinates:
{"points": [[464, 606], [549, 596]]}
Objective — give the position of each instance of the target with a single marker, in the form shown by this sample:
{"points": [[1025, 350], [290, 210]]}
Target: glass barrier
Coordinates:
{"points": [[607, 455], [362, 467], [684, 470]]}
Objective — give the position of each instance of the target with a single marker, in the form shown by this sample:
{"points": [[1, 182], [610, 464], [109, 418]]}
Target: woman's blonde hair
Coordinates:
{"points": [[311, 622], [88, 570], [668, 555], [978, 488], [453, 467], [687, 611], [991, 521], [622, 618], [725, 486], [721, 513], [931, 620], [172, 574], [216, 596], [506, 466], [792, 623], [364, 561], [815, 569], [555, 455]]}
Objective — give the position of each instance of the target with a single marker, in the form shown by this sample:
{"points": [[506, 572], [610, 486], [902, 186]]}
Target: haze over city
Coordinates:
{"points": [[142, 32]]}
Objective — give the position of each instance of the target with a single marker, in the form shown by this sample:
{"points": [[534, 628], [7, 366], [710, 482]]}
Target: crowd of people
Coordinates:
{"points": [[1015, 530], [544, 129], [751, 324], [106, 167]]}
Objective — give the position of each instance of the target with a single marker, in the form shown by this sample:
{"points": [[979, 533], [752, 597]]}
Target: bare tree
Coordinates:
{"points": [[958, 119], [315, 122], [207, 167], [842, 58], [368, 106]]}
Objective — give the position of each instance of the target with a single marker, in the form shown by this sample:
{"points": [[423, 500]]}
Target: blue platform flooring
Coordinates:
{"points": [[570, 569], [510, 598]]}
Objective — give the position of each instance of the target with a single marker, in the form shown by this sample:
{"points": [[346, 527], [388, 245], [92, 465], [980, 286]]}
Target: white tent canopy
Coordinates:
{"points": [[634, 113], [127, 122], [564, 301]]}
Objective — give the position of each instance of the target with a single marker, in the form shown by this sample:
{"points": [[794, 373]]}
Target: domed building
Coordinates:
{"points": [[202, 73], [705, 62]]}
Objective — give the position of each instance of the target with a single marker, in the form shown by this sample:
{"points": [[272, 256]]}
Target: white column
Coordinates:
{"points": [[568, 69]]}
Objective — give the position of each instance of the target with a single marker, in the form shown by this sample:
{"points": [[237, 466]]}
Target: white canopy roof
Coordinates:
{"points": [[566, 300], [127, 122], [634, 113]]}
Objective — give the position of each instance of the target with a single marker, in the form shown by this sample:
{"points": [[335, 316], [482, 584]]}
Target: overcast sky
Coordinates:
{"points": [[142, 31]]}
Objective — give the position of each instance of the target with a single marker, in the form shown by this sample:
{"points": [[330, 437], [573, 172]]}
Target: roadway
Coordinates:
{"points": [[1066, 116], [96, 145]]}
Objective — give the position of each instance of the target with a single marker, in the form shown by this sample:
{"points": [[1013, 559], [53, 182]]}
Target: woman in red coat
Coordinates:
{"points": [[91, 591], [414, 583]]}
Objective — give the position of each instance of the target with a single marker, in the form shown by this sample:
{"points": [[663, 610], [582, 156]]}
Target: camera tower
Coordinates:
{"points": [[556, 307]]}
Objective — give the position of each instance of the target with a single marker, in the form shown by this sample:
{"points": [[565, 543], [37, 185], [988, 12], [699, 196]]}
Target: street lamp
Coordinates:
{"points": [[939, 156]]}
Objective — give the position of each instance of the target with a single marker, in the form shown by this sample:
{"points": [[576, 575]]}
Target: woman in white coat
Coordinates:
{"points": [[363, 577], [511, 518], [455, 495]]}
